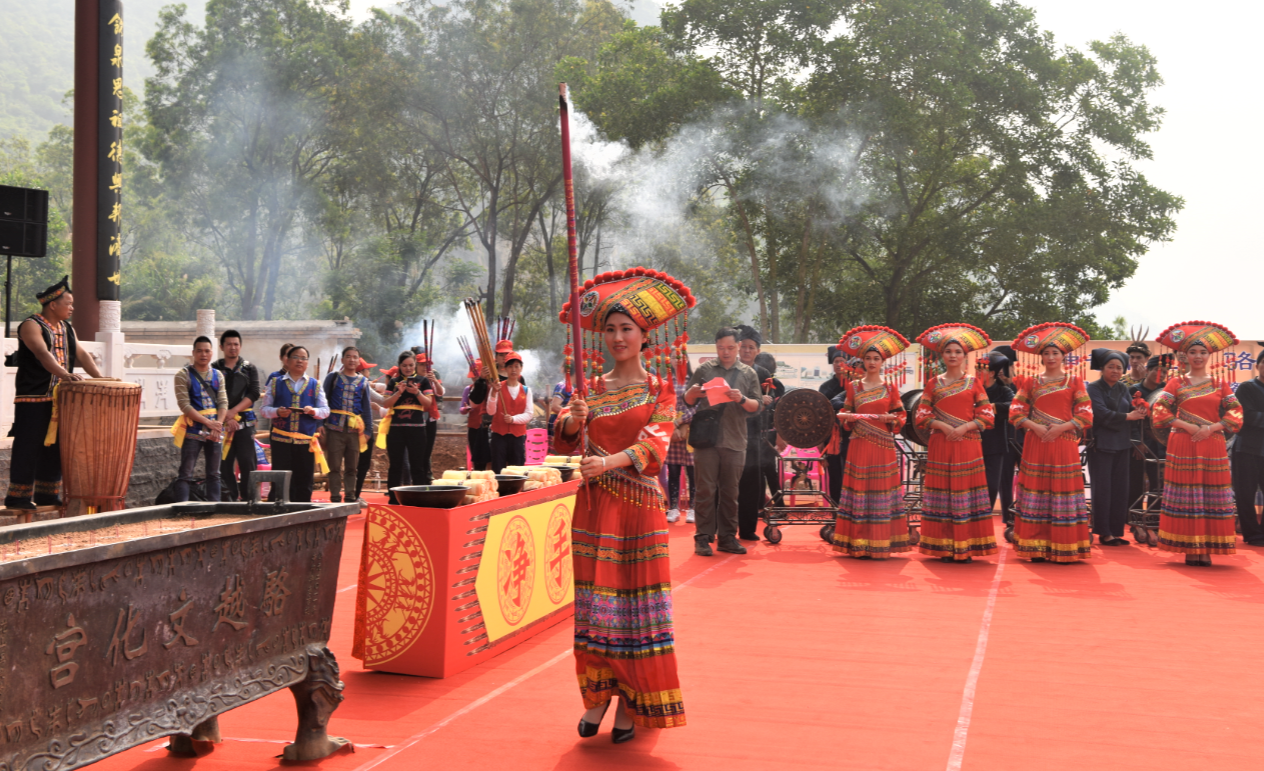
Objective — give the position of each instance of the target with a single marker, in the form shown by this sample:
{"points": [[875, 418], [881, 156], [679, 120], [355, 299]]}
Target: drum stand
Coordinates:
{"points": [[912, 473], [1143, 514], [777, 513]]}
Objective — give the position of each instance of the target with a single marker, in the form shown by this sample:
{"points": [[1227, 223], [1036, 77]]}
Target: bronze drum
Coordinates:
{"points": [[804, 418], [911, 400], [97, 422]]}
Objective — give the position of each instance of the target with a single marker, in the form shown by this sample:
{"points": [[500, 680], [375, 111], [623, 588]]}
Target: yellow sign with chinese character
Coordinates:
{"points": [[525, 572]]}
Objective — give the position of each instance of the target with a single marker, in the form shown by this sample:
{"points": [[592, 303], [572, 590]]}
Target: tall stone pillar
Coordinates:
{"points": [[97, 241]]}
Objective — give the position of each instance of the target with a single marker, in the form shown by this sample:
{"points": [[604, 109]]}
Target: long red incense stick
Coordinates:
{"points": [[572, 244]]}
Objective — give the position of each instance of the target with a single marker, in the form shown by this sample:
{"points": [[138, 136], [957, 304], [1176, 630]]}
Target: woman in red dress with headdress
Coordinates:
{"points": [[1198, 509], [624, 641], [956, 510], [1051, 519], [870, 520]]}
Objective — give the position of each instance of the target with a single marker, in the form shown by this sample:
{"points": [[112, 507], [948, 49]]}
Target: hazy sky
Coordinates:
{"points": [[1204, 152]]}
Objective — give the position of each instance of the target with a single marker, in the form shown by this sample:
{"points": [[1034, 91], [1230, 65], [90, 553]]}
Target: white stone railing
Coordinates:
{"points": [[153, 367]]}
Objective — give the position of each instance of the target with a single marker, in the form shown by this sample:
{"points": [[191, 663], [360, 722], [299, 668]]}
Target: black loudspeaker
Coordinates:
{"points": [[23, 221]]}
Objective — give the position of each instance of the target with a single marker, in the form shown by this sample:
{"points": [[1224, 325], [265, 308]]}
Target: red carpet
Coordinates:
{"points": [[793, 657]]}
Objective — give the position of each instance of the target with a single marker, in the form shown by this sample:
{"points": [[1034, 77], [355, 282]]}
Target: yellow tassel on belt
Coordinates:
{"points": [[50, 436], [313, 446], [178, 429], [384, 427], [356, 422]]}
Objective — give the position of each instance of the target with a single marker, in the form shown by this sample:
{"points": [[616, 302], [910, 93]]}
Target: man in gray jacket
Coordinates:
{"points": [[718, 468]]}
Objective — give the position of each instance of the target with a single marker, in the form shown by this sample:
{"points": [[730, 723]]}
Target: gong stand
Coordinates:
{"points": [[804, 418]]}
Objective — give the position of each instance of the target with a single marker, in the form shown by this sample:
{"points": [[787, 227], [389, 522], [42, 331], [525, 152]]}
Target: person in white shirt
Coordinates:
{"points": [[297, 407], [511, 410]]}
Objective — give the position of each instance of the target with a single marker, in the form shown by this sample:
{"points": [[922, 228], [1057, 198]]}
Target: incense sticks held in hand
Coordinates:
{"points": [[486, 351]]}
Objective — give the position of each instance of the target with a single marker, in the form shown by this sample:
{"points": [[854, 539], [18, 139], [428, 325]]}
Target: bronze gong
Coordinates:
{"points": [[804, 418]]}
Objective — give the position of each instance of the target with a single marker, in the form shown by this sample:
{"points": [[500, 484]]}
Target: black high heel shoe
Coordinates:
{"points": [[588, 730], [621, 735]]}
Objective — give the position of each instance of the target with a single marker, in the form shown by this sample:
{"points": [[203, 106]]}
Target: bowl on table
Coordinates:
{"points": [[567, 471], [430, 496], [508, 484]]}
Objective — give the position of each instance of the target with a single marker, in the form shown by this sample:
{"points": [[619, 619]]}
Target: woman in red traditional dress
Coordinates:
{"points": [[956, 510], [1198, 509], [1051, 519], [624, 642], [870, 522]]}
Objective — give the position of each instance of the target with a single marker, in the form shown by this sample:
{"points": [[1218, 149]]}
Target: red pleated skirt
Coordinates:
{"points": [[870, 521], [1050, 516]]}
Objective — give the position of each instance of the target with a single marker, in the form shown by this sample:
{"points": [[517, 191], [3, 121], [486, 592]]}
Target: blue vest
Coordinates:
{"points": [[297, 422], [346, 395], [202, 398]]}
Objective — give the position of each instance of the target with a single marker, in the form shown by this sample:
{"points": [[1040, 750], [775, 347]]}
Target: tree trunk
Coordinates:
{"points": [[548, 262], [774, 295], [754, 255], [489, 241], [801, 298]]}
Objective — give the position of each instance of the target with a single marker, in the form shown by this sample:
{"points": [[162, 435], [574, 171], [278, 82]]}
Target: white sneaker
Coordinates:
{"points": [[689, 516], [673, 515]]}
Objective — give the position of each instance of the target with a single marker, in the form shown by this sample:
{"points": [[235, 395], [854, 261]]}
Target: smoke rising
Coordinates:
{"points": [[776, 167]]}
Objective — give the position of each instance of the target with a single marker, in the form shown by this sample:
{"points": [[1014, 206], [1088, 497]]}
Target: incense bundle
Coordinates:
{"points": [[486, 351]]}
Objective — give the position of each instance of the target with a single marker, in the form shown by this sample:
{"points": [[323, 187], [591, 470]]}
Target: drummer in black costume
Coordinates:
{"points": [[835, 451], [46, 355], [999, 455]]}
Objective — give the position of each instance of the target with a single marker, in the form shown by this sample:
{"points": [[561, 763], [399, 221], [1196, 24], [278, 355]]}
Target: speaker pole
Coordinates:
{"points": [[8, 293]]}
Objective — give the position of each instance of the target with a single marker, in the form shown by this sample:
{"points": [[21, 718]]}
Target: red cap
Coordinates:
{"points": [[504, 346], [513, 356], [365, 366]]}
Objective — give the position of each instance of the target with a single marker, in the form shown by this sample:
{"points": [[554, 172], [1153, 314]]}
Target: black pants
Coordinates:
{"points": [[300, 462], [834, 466], [751, 495], [409, 441], [1000, 482], [480, 448], [432, 431], [673, 484], [366, 463], [508, 450], [34, 469], [1248, 476], [241, 452], [1108, 472]]}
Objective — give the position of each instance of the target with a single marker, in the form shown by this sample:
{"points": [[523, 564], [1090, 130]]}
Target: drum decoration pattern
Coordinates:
{"points": [[97, 421]]}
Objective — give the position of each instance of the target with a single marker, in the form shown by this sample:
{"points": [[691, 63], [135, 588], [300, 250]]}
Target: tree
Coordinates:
{"points": [[984, 175], [241, 111], [488, 113]]}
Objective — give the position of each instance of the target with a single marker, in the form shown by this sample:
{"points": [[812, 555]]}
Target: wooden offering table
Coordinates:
{"points": [[441, 590]]}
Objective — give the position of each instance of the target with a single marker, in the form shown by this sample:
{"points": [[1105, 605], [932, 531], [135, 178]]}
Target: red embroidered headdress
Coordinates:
{"points": [[968, 337], [933, 341], [885, 341], [656, 302], [1210, 335], [1181, 337], [861, 340], [1067, 338]]}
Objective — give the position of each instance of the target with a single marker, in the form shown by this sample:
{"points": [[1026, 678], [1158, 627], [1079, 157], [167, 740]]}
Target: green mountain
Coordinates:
{"points": [[37, 58]]}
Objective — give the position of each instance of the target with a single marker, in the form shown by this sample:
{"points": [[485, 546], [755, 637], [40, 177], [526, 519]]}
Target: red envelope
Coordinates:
{"points": [[717, 391]]}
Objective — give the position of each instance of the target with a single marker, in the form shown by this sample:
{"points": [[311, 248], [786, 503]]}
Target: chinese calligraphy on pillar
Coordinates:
{"points": [[110, 150]]}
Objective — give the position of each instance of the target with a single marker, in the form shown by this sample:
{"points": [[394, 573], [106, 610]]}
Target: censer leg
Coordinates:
{"points": [[200, 741]]}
